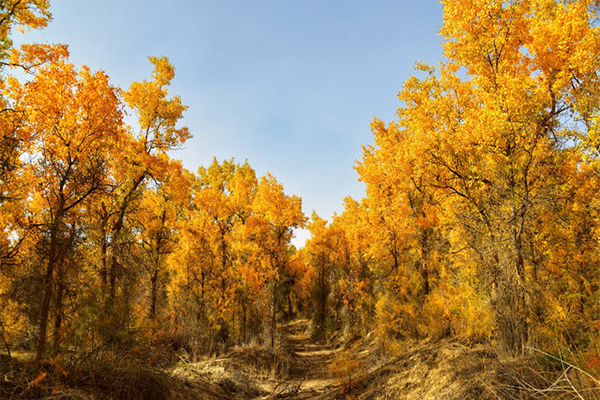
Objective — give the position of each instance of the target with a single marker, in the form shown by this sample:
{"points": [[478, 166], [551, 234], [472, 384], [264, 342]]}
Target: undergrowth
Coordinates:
{"points": [[545, 376], [109, 372]]}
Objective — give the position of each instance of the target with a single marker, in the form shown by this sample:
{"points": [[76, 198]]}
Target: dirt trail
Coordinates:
{"points": [[308, 375], [299, 371]]}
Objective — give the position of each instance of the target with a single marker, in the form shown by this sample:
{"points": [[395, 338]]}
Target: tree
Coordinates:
{"points": [[275, 215], [401, 213], [73, 118], [325, 255], [212, 267], [142, 157], [159, 212], [494, 142], [357, 281]]}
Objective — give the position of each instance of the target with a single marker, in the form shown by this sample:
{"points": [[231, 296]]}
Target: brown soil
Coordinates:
{"points": [[309, 376]]}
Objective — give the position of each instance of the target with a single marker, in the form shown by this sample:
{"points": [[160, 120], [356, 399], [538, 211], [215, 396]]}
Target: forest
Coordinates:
{"points": [[480, 229]]}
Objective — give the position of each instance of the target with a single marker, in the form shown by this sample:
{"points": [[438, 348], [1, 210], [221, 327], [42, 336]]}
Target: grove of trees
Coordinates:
{"points": [[105, 235], [481, 219]]}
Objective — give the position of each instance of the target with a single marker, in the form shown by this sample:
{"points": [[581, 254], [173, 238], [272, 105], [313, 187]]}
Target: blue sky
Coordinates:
{"points": [[289, 85]]}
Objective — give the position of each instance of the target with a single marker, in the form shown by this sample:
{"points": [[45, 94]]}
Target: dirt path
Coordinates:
{"points": [[299, 371], [308, 376]]}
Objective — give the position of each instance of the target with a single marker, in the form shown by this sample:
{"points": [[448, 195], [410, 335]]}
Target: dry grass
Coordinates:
{"points": [[260, 360], [107, 373], [448, 369], [119, 375], [302, 368], [429, 370], [246, 372], [544, 376], [346, 370]]}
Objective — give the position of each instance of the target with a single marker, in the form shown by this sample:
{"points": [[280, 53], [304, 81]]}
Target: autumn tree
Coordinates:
{"points": [[326, 255], [13, 139], [73, 116], [275, 215], [143, 155], [193, 288], [357, 280], [212, 268], [156, 227], [483, 151]]}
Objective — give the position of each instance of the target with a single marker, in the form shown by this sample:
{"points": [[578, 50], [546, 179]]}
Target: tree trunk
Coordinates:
{"points": [[113, 275], [53, 261], [510, 303], [104, 248], [58, 318], [104, 255], [289, 298], [424, 267], [41, 348], [273, 315], [154, 294], [244, 323]]}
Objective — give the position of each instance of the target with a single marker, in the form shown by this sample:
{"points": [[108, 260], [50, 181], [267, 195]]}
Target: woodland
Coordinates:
{"points": [[121, 272]]}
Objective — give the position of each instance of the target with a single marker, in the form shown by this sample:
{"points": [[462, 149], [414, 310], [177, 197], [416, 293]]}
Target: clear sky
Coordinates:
{"points": [[291, 86]]}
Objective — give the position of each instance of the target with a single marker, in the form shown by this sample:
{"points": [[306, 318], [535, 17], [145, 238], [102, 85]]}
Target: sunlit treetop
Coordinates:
{"points": [[158, 115], [22, 14]]}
